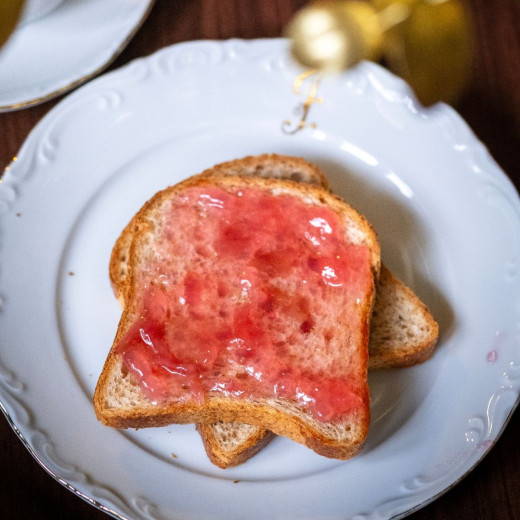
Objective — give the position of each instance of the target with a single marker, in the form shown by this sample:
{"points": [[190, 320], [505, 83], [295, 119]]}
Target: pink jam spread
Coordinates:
{"points": [[244, 298]]}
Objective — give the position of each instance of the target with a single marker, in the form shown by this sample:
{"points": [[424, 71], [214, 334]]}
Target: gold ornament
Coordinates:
{"points": [[332, 36], [429, 43]]}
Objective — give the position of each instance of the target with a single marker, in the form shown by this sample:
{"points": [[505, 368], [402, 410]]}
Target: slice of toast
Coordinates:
{"points": [[325, 352], [402, 331]]}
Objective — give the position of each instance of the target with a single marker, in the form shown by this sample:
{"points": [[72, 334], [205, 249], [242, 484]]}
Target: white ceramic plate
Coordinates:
{"points": [[449, 224], [59, 51]]}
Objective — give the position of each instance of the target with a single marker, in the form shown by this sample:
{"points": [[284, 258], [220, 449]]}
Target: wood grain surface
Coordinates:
{"points": [[491, 107]]}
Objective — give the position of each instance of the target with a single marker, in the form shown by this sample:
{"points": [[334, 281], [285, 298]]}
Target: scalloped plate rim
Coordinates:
{"points": [[398, 86]]}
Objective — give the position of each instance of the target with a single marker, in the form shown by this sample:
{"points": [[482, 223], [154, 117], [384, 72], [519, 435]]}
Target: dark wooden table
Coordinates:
{"points": [[491, 107]]}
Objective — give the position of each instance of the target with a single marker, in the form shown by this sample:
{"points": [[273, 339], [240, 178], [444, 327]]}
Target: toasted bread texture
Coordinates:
{"points": [[230, 444], [121, 401], [402, 331]]}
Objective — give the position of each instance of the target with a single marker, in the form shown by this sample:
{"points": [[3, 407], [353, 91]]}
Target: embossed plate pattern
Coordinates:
{"points": [[429, 187]]}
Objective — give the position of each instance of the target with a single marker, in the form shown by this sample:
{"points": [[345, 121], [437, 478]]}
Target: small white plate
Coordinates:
{"points": [[449, 224], [57, 52]]}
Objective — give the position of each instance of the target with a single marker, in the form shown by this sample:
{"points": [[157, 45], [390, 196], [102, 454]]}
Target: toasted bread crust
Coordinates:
{"points": [[264, 412], [267, 414], [272, 166]]}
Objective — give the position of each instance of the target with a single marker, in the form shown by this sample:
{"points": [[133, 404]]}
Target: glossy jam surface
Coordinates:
{"points": [[244, 297]]}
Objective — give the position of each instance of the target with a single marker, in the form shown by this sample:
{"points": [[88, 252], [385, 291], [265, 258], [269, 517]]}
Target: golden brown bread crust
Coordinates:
{"points": [[262, 413], [218, 409], [272, 166]]}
